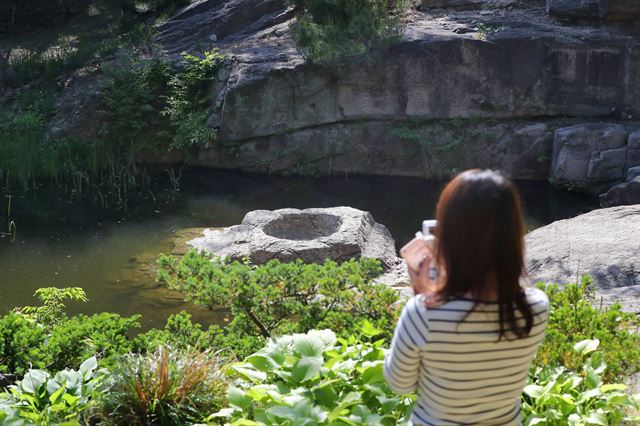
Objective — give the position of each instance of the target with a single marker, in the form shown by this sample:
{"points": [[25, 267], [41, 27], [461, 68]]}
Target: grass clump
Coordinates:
{"points": [[167, 387], [331, 30]]}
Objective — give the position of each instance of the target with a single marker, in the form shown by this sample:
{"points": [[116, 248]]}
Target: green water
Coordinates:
{"points": [[73, 244]]}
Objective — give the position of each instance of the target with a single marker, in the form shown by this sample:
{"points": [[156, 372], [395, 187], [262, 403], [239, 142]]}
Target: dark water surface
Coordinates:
{"points": [[73, 244]]}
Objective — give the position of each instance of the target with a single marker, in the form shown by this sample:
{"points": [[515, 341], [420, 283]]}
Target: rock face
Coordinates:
{"points": [[623, 194], [463, 88], [313, 235], [602, 9], [590, 155], [604, 244]]}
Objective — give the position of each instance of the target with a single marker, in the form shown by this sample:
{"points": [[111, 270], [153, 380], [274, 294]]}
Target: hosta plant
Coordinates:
{"points": [[556, 396], [42, 399], [315, 379]]}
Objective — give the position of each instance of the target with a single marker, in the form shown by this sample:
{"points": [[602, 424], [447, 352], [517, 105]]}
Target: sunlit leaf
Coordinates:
{"points": [[586, 346]]}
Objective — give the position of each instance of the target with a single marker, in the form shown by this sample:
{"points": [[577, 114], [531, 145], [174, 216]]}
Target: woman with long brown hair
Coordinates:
{"points": [[466, 340]]}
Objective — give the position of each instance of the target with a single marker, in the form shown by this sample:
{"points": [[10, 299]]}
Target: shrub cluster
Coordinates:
{"points": [[291, 370], [575, 316], [331, 30], [138, 90], [280, 298]]}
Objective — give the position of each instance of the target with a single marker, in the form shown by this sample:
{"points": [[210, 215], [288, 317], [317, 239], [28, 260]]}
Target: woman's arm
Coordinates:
{"points": [[402, 363]]}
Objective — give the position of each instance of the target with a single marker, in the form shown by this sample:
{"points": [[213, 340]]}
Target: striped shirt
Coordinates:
{"points": [[451, 355]]}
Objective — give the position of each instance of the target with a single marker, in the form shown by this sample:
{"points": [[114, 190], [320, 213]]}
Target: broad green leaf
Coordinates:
{"points": [[597, 418], [55, 396], [586, 346], [574, 420], [255, 376], [612, 387], [225, 412], [388, 404], [326, 395], [534, 391], [373, 372], [368, 329], [306, 368], [33, 380], [262, 362], [238, 398], [88, 366], [596, 361], [351, 399], [328, 337], [592, 380], [70, 399], [308, 346]]}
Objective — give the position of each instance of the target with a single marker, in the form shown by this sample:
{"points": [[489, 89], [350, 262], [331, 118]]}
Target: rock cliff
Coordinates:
{"points": [[471, 84]]}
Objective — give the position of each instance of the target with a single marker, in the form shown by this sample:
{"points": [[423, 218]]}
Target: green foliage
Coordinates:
{"points": [[330, 30], [130, 101], [179, 333], [573, 317], [106, 335], [188, 103], [558, 396], [21, 344], [315, 379], [168, 387], [52, 309], [280, 298], [139, 89], [41, 399], [25, 343]]}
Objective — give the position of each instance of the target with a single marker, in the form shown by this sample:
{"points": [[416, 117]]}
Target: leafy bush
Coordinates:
{"points": [[168, 387], [44, 336], [573, 317], [131, 88], [42, 399], [315, 379], [52, 309], [329, 30], [280, 298], [105, 335], [21, 344], [188, 104], [557, 396], [139, 88], [179, 333]]}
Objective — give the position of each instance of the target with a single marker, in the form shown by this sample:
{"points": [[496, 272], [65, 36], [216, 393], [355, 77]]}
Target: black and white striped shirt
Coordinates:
{"points": [[451, 355]]}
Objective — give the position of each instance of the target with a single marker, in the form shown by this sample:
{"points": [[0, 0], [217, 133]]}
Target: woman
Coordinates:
{"points": [[465, 342]]}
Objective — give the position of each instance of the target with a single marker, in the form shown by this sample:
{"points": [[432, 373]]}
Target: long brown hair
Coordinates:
{"points": [[480, 235]]}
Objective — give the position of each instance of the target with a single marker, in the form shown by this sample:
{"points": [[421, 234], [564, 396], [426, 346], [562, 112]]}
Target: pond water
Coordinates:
{"points": [[73, 244]]}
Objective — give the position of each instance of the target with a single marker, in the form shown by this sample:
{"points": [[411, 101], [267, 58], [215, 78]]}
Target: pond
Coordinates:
{"points": [[70, 243]]}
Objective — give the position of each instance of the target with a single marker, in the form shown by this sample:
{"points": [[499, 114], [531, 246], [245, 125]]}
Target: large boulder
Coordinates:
{"points": [[312, 235], [589, 157], [604, 243], [624, 193]]}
